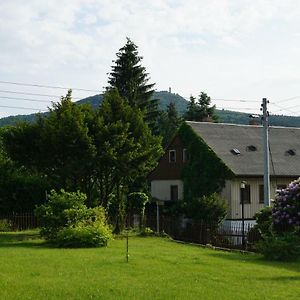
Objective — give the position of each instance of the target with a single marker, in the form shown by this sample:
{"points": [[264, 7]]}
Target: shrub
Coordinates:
{"points": [[67, 222], [264, 221], [280, 247], [5, 225], [52, 215], [211, 209], [146, 231]]}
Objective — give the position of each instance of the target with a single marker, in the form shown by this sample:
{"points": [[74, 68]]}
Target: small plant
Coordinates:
{"points": [[146, 231], [5, 225]]}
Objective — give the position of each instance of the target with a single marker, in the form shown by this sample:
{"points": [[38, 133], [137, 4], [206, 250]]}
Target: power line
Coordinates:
{"points": [[288, 99], [49, 86], [34, 94], [21, 107], [25, 99]]}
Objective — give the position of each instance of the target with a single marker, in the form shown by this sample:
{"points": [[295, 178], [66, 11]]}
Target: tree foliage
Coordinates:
{"points": [[131, 80], [200, 110], [169, 123]]}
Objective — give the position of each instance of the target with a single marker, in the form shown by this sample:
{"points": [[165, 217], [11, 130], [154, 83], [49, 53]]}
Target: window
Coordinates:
{"points": [[251, 148], [261, 193], [245, 194], [291, 152], [235, 151], [185, 155], [174, 192], [172, 156]]}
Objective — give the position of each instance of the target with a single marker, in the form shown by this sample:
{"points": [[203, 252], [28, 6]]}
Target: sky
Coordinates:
{"points": [[237, 51]]}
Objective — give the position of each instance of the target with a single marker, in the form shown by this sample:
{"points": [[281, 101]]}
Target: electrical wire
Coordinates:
{"points": [[25, 99], [48, 86], [21, 107], [34, 94]]}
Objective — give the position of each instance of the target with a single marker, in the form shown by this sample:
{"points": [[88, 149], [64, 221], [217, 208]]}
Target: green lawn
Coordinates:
{"points": [[158, 269]]}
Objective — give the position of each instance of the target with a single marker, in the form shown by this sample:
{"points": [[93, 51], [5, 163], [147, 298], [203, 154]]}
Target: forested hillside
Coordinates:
{"points": [[225, 116]]}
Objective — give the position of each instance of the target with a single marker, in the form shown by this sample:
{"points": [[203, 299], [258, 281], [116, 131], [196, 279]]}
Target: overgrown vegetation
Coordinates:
{"points": [[204, 165], [280, 225]]}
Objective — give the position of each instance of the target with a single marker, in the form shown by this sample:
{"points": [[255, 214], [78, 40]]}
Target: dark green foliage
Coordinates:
{"points": [[210, 209], [280, 247], [169, 123], [131, 80], [20, 190], [164, 99], [264, 221], [200, 110], [67, 222], [204, 165]]}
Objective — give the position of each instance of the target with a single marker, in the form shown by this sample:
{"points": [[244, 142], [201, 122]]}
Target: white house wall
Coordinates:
{"points": [[250, 209], [161, 189]]}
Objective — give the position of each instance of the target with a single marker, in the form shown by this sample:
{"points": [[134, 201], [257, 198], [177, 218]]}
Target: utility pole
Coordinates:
{"points": [[265, 120]]}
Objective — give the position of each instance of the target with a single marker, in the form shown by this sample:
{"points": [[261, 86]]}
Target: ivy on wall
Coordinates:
{"points": [[205, 173]]}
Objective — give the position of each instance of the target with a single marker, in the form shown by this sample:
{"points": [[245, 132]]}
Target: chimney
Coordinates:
{"points": [[254, 120], [170, 90]]}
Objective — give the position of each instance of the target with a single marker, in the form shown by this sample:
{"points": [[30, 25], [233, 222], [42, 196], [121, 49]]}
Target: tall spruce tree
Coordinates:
{"points": [[131, 80]]}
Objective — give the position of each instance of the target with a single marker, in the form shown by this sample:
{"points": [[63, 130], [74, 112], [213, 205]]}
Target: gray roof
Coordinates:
{"points": [[222, 138]]}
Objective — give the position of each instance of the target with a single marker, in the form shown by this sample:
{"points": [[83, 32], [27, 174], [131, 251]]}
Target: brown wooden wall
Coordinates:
{"points": [[169, 170]]}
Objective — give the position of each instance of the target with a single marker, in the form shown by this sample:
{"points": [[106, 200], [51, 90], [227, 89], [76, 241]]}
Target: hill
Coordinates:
{"points": [[225, 116]]}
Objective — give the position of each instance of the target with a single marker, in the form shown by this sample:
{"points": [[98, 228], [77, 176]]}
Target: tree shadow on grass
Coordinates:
{"points": [[22, 240], [259, 260]]}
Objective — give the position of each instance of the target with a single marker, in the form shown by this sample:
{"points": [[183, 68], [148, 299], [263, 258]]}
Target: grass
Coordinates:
{"points": [[158, 269]]}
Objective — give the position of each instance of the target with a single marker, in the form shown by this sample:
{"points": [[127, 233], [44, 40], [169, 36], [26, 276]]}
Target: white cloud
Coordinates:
{"points": [[222, 46]]}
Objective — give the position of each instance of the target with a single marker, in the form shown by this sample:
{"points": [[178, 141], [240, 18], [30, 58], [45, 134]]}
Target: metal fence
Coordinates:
{"points": [[230, 234], [20, 221]]}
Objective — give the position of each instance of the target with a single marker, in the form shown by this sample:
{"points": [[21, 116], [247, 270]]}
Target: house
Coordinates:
{"points": [[239, 149]]}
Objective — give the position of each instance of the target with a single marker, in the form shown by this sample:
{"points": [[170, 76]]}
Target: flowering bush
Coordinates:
{"points": [[286, 209]]}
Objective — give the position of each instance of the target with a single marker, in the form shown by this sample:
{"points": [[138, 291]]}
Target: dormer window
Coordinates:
{"points": [[172, 156], [235, 151], [291, 152], [251, 148]]}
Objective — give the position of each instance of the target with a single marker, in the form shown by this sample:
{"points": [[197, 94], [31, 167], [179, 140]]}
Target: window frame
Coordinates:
{"points": [[172, 151]]}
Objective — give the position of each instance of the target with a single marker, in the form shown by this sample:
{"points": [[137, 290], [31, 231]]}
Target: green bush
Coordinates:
{"points": [[5, 225], [264, 221], [211, 209], [82, 235], [67, 222], [52, 215], [280, 247]]}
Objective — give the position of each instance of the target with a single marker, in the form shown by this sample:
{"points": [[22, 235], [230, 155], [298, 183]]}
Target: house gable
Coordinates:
{"points": [[167, 168]]}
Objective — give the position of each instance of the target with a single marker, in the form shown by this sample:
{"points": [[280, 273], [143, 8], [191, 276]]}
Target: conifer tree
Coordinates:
{"points": [[201, 110], [131, 80]]}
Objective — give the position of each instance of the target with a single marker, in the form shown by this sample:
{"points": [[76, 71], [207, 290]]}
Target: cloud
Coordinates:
{"points": [[188, 44]]}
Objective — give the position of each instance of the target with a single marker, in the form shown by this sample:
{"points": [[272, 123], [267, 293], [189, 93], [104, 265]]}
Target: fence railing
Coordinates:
{"points": [[230, 234], [20, 221]]}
